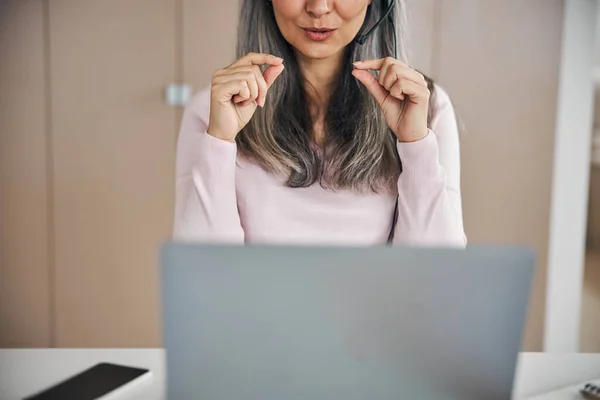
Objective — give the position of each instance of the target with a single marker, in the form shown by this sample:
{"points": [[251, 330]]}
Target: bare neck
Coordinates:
{"points": [[319, 76]]}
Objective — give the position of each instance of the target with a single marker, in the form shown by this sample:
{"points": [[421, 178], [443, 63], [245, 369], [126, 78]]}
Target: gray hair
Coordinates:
{"points": [[358, 151]]}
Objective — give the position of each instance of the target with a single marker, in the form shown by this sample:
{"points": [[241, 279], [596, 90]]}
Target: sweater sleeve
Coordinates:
{"points": [[429, 195], [205, 194]]}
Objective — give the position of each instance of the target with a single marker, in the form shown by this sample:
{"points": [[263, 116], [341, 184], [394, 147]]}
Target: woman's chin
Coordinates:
{"points": [[318, 51]]}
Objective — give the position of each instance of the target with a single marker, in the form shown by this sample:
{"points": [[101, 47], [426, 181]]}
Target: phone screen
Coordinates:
{"points": [[92, 383]]}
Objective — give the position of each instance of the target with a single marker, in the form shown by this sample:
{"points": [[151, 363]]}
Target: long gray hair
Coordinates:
{"points": [[358, 151]]}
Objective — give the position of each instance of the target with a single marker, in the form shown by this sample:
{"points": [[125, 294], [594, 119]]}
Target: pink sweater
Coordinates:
{"points": [[223, 197]]}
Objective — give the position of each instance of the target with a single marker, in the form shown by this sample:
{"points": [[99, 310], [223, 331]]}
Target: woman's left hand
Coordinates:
{"points": [[397, 84]]}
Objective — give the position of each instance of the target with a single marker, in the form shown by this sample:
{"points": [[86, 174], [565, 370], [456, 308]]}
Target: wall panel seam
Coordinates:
{"points": [[50, 223]]}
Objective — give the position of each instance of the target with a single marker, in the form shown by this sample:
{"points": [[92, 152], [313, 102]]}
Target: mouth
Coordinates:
{"points": [[319, 34]]}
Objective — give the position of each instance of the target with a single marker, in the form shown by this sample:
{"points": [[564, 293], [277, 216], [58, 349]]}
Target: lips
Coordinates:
{"points": [[319, 34]]}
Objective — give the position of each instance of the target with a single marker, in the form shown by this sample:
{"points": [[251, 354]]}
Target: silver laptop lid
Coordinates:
{"points": [[378, 323]]}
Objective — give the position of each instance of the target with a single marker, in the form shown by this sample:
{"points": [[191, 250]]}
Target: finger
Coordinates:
{"points": [[396, 73], [400, 71], [272, 73], [242, 72], [266, 80], [376, 90], [370, 64], [249, 75], [257, 59], [261, 84], [390, 79], [385, 65], [406, 88], [245, 100], [237, 88], [253, 87], [254, 93], [269, 77]]}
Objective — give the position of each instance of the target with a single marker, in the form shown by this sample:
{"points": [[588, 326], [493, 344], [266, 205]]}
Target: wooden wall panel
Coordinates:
{"points": [[114, 147], [209, 39], [499, 62], [24, 295]]}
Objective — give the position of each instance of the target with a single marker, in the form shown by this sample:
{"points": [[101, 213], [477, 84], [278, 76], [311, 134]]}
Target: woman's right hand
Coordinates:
{"points": [[237, 90]]}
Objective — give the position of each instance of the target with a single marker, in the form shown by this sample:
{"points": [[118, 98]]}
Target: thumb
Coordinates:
{"points": [[272, 73], [372, 85]]}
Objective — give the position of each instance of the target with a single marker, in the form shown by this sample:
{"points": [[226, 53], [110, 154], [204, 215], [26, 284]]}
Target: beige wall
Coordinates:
{"points": [[113, 141], [110, 141], [205, 51], [499, 62], [25, 251]]}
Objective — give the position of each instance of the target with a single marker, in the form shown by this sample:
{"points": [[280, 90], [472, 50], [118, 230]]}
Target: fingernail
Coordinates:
{"points": [[279, 59], [357, 62]]}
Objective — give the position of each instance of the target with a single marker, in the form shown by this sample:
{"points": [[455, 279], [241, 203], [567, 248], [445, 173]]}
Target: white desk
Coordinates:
{"points": [[23, 372]]}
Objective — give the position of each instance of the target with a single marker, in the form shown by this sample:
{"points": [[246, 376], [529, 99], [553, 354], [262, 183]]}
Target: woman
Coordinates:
{"points": [[295, 143]]}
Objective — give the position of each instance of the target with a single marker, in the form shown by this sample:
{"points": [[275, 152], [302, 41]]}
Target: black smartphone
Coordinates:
{"points": [[102, 381]]}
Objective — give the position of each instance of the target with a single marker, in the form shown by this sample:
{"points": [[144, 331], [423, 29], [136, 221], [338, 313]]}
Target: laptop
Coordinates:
{"points": [[321, 323]]}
